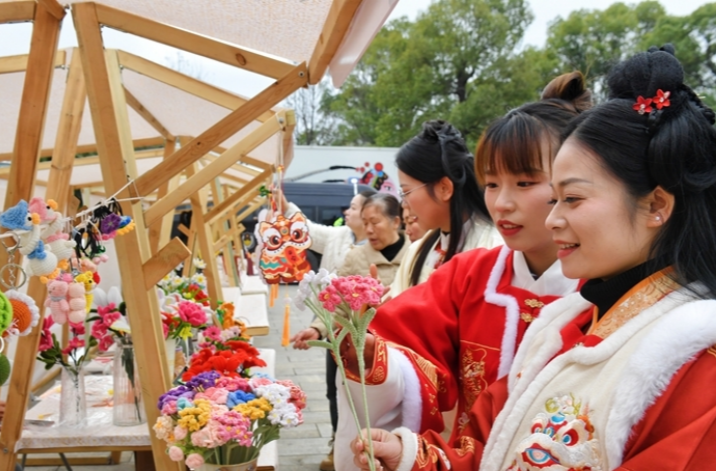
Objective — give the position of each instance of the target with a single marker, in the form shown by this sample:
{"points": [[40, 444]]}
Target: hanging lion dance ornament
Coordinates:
{"points": [[285, 242]]}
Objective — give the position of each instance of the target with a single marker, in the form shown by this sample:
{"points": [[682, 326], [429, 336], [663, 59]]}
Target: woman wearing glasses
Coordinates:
{"points": [[438, 186]]}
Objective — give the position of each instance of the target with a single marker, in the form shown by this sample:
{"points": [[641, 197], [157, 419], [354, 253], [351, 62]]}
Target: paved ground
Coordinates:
{"points": [[304, 447]]}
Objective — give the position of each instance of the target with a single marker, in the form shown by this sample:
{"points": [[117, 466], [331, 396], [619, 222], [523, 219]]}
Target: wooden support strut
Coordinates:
{"points": [[13, 64], [220, 210], [33, 109], [192, 42], [204, 176], [111, 125], [15, 12], [186, 83], [335, 28], [222, 130]]}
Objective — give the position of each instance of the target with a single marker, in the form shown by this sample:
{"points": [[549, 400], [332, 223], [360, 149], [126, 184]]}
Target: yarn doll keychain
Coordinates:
{"points": [[19, 311]]}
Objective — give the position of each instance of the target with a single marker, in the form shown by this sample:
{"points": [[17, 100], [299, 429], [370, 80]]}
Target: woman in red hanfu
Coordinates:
{"points": [[438, 345], [621, 375]]}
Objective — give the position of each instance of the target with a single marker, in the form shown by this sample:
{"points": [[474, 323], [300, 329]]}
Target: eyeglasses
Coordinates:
{"points": [[403, 194]]}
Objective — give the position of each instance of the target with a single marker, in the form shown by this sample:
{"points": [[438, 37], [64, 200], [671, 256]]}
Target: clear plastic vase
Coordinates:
{"points": [[128, 406], [73, 406]]}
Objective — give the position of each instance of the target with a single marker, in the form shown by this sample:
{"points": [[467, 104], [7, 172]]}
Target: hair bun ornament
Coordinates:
{"points": [[645, 73]]}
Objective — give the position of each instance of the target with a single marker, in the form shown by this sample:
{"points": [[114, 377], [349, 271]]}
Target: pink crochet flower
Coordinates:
{"points": [[214, 395], [194, 460], [213, 333], [208, 436], [175, 453], [192, 313], [298, 397], [257, 382], [179, 432], [233, 384], [356, 291], [170, 408]]}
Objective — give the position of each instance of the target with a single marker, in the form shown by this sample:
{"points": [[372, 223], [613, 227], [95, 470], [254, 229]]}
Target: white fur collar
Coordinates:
{"points": [[671, 344], [512, 312]]}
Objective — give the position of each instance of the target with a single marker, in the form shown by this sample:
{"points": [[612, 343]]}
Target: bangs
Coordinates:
{"points": [[512, 144]]}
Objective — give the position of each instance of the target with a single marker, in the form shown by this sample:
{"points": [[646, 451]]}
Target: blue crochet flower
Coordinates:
{"points": [[183, 403], [235, 398]]}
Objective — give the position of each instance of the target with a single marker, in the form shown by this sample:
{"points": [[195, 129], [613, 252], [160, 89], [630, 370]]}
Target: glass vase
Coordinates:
{"points": [[128, 406], [170, 345], [73, 406], [248, 466]]}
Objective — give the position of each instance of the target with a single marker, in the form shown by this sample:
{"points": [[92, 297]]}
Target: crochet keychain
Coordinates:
{"points": [[53, 234], [25, 225]]}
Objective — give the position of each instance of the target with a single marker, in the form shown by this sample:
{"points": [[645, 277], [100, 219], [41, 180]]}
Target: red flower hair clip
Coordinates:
{"points": [[643, 105], [661, 100]]}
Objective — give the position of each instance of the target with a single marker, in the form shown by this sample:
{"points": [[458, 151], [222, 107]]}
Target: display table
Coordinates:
{"points": [[98, 434], [251, 284], [252, 309]]}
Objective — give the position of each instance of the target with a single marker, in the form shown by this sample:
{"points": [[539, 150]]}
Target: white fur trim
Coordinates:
{"points": [[677, 338], [412, 399], [410, 448], [534, 379], [512, 312]]}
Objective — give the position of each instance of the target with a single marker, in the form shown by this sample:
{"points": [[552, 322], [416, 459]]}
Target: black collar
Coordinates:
{"points": [[605, 293]]}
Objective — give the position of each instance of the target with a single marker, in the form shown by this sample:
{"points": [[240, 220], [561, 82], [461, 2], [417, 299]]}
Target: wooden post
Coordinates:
{"points": [[114, 143], [28, 142], [160, 231], [206, 246]]}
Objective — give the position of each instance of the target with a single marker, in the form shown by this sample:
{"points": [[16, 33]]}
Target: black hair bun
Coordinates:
{"points": [[438, 129], [571, 88], [645, 73]]}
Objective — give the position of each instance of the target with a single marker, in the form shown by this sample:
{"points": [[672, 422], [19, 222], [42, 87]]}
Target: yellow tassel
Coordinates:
{"points": [[285, 338], [272, 295]]}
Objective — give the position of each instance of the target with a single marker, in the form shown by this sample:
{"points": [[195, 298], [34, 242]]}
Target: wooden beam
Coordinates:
{"points": [[160, 231], [211, 171], [54, 7], [288, 137], [186, 83], [28, 139], [137, 106], [253, 207], [164, 261], [246, 160], [222, 130], [192, 42], [219, 210], [337, 24], [84, 161], [92, 148], [68, 133], [203, 237], [15, 12], [12, 64], [114, 143]]}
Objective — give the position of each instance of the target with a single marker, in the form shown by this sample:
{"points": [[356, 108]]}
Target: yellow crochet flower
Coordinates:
{"points": [[254, 409], [194, 418]]}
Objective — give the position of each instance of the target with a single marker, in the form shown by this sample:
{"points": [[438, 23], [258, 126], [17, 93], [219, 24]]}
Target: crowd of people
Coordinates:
{"points": [[552, 302]]}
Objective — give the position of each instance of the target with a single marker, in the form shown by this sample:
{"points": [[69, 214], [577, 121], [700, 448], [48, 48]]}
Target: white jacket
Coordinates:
{"points": [[333, 243]]}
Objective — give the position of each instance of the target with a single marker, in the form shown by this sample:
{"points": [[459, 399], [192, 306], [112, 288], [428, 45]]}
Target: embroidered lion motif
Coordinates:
{"points": [[562, 439], [283, 258]]}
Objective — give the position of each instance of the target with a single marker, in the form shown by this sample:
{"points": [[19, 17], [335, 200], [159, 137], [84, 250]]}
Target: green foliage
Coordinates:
{"points": [[461, 61]]}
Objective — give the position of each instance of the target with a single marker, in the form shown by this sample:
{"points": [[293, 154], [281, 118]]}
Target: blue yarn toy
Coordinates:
{"points": [[17, 217]]}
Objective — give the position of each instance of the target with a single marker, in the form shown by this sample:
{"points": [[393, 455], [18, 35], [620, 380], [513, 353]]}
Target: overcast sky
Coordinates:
{"points": [[15, 39]]}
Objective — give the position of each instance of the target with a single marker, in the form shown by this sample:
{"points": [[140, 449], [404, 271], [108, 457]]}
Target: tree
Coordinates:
{"points": [[313, 127], [593, 41], [431, 68]]}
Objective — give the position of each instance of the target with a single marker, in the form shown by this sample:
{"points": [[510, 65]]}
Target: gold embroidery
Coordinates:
{"points": [[466, 445], [428, 369], [534, 303], [712, 351], [473, 374], [527, 317], [644, 295], [427, 453], [378, 375]]}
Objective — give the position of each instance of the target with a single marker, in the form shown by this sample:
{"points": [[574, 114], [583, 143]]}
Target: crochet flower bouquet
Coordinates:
{"points": [[352, 296], [223, 414]]}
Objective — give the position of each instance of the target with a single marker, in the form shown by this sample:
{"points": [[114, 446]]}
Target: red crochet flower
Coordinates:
{"points": [[661, 100], [643, 105], [227, 362]]}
